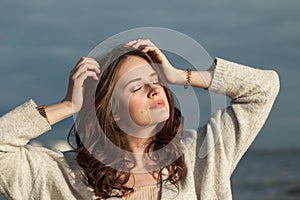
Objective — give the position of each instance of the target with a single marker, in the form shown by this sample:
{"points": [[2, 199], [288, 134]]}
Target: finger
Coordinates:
{"points": [[79, 64], [131, 43], [92, 75], [80, 60], [149, 42], [84, 68], [143, 44], [146, 42], [93, 60], [83, 76], [83, 61], [86, 60], [154, 50], [150, 48], [87, 64], [139, 42]]}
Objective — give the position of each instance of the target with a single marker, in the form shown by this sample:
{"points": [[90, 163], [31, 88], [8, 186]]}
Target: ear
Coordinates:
{"points": [[114, 110], [116, 117]]}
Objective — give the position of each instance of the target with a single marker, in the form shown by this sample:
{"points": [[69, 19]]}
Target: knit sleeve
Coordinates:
{"points": [[230, 132], [21, 125], [28, 172]]}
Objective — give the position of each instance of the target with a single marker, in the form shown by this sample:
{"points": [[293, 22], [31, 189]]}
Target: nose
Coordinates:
{"points": [[153, 90]]}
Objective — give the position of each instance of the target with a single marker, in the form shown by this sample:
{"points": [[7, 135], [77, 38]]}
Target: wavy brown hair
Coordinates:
{"points": [[101, 144]]}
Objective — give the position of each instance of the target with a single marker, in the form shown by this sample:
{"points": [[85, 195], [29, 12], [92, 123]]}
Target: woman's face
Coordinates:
{"points": [[138, 100]]}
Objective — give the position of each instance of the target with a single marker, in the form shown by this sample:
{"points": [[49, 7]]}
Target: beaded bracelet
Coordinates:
{"points": [[188, 78], [42, 112]]}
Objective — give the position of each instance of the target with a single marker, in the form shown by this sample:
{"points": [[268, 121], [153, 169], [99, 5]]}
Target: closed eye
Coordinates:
{"points": [[136, 89]]}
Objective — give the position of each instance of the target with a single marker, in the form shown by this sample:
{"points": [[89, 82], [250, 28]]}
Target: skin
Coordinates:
{"points": [[89, 68], [72, 103], [142, 99], [142, 119]]}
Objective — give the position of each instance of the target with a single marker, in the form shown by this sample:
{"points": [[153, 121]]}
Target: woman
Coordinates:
{"points": [[116, 153]]}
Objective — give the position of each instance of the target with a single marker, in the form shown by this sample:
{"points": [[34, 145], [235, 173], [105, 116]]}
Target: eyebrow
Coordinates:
{"points": [[138, 79]]}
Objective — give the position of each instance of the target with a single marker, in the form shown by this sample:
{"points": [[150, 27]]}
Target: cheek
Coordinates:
{"points": [[136, 105], [166, 99]]}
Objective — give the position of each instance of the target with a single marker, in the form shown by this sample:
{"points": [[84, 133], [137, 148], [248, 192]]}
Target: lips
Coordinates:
{"points": [[157, 104]]}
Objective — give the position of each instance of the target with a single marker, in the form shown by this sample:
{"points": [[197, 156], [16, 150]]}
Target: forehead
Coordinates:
{"points": [[134, 66]]}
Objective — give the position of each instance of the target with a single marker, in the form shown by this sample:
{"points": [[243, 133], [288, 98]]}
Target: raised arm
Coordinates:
{"points": [[230, 131], [28, 172], [86, 67], [201, 79], [218, 146], [24, 123]]}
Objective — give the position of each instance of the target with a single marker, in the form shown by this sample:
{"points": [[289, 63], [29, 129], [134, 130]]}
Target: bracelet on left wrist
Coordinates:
{"points": [[188, 77]]}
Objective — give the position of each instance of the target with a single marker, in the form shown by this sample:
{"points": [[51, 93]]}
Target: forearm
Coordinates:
{"points": [[201, 79], [58, 112], [85, 68]]}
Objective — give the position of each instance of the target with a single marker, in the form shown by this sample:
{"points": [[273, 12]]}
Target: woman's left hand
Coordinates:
{"points": [[173, 75]]}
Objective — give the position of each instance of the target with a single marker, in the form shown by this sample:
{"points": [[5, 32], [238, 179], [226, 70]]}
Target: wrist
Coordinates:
{"points": [[187, 78], [67, 106], [58, 112], [42, 112], [180, 77]]}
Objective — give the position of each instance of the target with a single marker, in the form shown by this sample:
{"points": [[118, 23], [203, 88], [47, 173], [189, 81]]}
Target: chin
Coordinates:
{"points": [[162, 121]]}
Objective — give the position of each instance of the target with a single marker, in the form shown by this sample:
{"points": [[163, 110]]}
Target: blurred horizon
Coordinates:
{"points": [[42, 40]]}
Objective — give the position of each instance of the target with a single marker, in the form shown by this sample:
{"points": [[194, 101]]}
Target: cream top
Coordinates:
{"points": [[149, 192]]}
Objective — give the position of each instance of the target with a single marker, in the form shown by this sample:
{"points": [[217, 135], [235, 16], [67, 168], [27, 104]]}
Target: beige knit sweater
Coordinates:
{"points": [[28, 172]]}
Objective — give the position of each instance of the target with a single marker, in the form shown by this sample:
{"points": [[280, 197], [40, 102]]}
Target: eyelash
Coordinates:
{"points": [[137, 89]]}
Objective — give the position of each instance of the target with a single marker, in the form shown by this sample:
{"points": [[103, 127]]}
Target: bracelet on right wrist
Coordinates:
{"points": [[42, 111]]}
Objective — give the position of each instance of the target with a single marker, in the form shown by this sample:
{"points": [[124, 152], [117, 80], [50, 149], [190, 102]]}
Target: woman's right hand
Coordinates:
{"points": [[85, 67]]}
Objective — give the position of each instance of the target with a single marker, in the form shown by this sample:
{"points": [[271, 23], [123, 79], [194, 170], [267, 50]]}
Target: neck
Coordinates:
{"points": [[138, 145], [139, 141]]}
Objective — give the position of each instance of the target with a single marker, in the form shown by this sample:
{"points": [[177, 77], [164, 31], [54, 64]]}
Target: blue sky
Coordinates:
{"points": [[40, 41]]}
